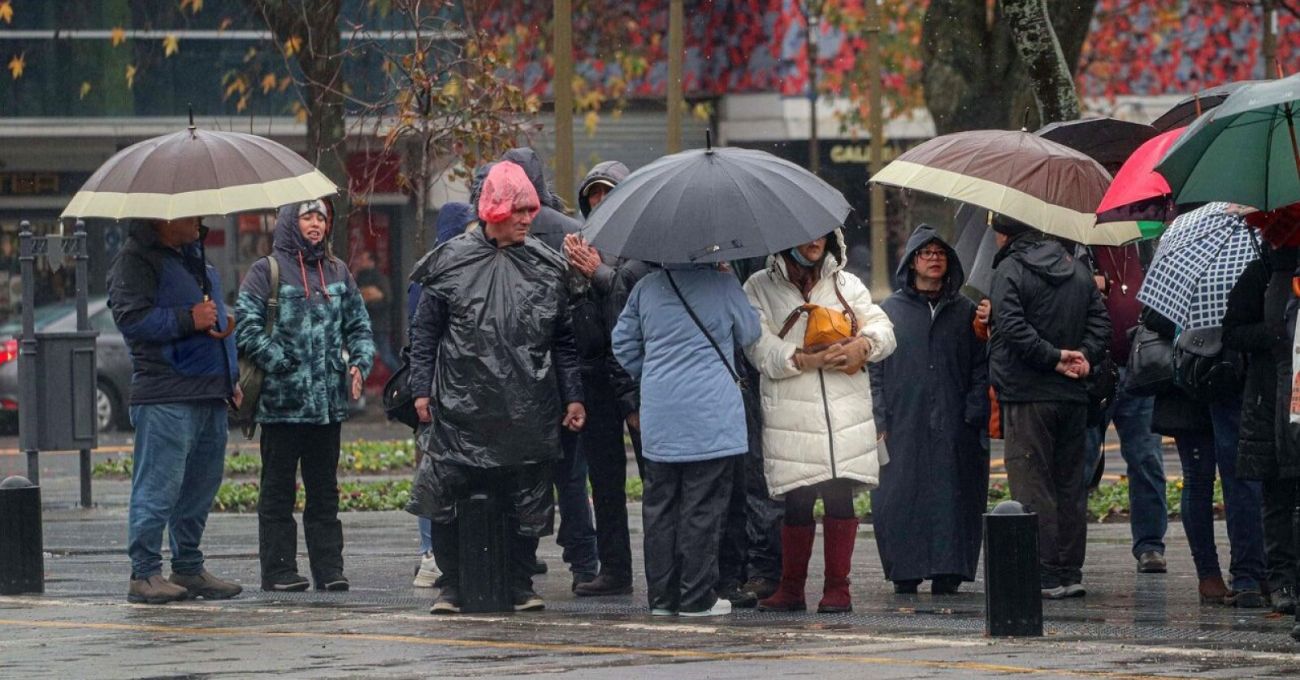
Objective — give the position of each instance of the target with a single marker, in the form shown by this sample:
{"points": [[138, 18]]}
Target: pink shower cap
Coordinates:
{"points": [[505, 190]]}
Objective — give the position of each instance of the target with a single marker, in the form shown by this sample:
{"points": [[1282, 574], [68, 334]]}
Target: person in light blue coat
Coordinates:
{"points": [[692, 419]]}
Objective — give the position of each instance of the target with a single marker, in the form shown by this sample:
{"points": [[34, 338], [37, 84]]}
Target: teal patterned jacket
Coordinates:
{"points": [[322, 330]]}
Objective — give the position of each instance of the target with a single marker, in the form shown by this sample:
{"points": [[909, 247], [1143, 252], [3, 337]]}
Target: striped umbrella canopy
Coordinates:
{"points": [[1199, 259], [1046, 185], [194, 173]]}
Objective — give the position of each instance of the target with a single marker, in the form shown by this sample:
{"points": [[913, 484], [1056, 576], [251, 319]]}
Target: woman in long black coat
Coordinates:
{"points": [[931, 401]]}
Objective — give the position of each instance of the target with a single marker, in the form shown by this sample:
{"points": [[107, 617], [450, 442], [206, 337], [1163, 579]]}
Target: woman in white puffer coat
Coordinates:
{"points": [[818, 435]]}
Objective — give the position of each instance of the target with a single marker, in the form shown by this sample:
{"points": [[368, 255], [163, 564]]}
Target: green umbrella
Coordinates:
{"points": [[1244, 151]]}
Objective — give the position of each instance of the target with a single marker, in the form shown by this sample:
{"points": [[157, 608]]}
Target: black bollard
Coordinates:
{"points": [[1013, 605], [484, 555], [22, 562]]}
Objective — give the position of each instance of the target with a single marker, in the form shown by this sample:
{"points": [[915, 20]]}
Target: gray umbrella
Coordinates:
{"points": [[714, 205]]}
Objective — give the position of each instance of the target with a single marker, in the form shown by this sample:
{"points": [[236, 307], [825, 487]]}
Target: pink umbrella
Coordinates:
{"points": [[1139, 194]]}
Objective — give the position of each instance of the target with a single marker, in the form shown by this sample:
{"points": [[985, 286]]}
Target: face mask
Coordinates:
{"points": [[798, 257]]}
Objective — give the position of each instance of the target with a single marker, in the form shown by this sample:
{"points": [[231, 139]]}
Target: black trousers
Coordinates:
{"points": [[682, 512], [1044, 459], [284, 447], [601, 441], [1281, 498]]}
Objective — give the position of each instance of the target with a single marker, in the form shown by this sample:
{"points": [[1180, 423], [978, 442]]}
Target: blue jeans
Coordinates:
{"points": [[426, 535], [1143, 454], [180, 451], [1200, 453], [577, 533]]}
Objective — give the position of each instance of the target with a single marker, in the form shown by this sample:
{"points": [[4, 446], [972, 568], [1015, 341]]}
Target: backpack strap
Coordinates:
{"points": [[740, 382], [273, 300]]}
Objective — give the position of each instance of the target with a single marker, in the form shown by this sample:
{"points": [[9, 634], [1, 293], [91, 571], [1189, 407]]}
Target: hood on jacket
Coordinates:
{"points": [[609, 172], [289, 239], [528, 159], [1040, 254], [476, 185], [835, 259], [922, 236], [453, 218]]}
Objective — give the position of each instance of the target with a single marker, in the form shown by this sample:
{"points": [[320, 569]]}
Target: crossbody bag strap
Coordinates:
{"points": [[273, 300], [734, 376]]}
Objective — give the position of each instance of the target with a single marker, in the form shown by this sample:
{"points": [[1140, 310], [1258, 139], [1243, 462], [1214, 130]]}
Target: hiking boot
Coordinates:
{"points": [[528, 601], [206, 586], [738, 597], [603, 585], [1152, 562], [907, 587], [285, 583], [1212, 590], [427, 573], [447, 602], [1246, 599], [720, 608], [335, 583], [155, 590], [1284, 600], [762, 588], [947, 584]]}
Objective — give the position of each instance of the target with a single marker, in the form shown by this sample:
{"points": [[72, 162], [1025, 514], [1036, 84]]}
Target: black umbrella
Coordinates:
{"points": [[1108, 141], [714, 205], [975, 246], [1191, 108]]}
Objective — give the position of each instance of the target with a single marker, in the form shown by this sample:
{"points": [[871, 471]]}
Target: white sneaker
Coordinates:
{"points": [[427, 573], [719, 608]]}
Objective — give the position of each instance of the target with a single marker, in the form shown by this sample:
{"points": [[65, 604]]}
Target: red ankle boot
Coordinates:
{"points": [[838, 536], [796, 548]]}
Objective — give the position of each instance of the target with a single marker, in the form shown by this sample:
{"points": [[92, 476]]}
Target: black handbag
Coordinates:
{"points": [[1150, 363], [1102, 383], [1204, 368], [399, 402]]}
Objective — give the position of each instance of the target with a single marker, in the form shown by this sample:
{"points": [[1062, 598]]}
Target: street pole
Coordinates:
{"points": [[1268, 44], [879, 228], [562, 88], [812, 24], [676, 100]]}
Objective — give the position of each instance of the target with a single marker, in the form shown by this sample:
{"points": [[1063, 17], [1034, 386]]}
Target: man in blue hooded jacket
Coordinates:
{"points": [[167, 303]]}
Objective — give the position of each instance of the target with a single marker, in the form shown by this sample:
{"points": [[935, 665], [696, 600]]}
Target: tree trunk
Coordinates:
{"points": [[973, 77], [1050, 76]]}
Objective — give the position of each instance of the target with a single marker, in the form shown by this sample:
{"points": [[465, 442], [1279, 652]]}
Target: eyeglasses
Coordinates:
{"points": [[932, 254]]}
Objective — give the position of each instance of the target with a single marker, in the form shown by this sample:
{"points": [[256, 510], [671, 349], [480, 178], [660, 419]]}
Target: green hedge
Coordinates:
{"points": [[354, 457]]}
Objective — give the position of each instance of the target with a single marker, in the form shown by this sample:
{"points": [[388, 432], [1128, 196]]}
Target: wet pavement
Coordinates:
{"points": [[1129, 626]]}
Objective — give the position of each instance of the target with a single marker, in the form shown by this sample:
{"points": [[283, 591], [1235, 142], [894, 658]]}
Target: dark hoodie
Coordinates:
{"points": [[551, 224], [609, 172], [322, 315], [151, 289], [1044, 300]]}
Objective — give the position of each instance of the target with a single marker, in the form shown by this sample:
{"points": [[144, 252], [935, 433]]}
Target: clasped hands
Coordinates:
{"points": [[848, 357], [1073, 364]]}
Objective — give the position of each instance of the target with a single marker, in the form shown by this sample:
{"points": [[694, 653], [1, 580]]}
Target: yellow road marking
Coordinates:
{"points": [[583, 649]]}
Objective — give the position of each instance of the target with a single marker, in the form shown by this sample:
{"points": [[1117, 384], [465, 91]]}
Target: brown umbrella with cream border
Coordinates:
{"points": [[1046, 185]]}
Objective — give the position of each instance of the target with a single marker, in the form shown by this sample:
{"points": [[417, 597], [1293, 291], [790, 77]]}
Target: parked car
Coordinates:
{"points": [[112, 359]]}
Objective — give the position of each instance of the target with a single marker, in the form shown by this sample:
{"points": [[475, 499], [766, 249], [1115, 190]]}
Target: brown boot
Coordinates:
{"points": [[796, 548], [1213, 590], [838, 537], [155, 590], [207, 586]]}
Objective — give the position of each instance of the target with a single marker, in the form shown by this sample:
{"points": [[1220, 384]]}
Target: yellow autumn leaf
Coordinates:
{"points": [[225, 23], [590, 121], [241, 104], [292, 45], [17, 64], [85, 88], [451, 89], [250, 54], [268, 82], [117, 36], [171, 45], [195, 5], [299, 112], [285, 82], [6, 12], [130, 76]]}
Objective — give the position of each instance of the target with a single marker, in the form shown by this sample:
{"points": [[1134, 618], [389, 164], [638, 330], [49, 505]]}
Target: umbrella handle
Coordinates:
{"points": [[230, 328]]}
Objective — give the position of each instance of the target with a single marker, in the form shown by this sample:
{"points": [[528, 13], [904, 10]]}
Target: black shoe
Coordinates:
{"points": [[539, 567], [528, 601], [285, 583], [762, 588], [1152, 562], [335, 583], [945, 585], [1246, 599], [581, 578], [603, 585], [906, 587], [1284, 600], [447, 602], [737, 596]]}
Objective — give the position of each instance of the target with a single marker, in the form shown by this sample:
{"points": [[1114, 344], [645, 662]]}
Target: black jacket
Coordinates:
{"points": [[1247, 329], [1044, 300]]}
